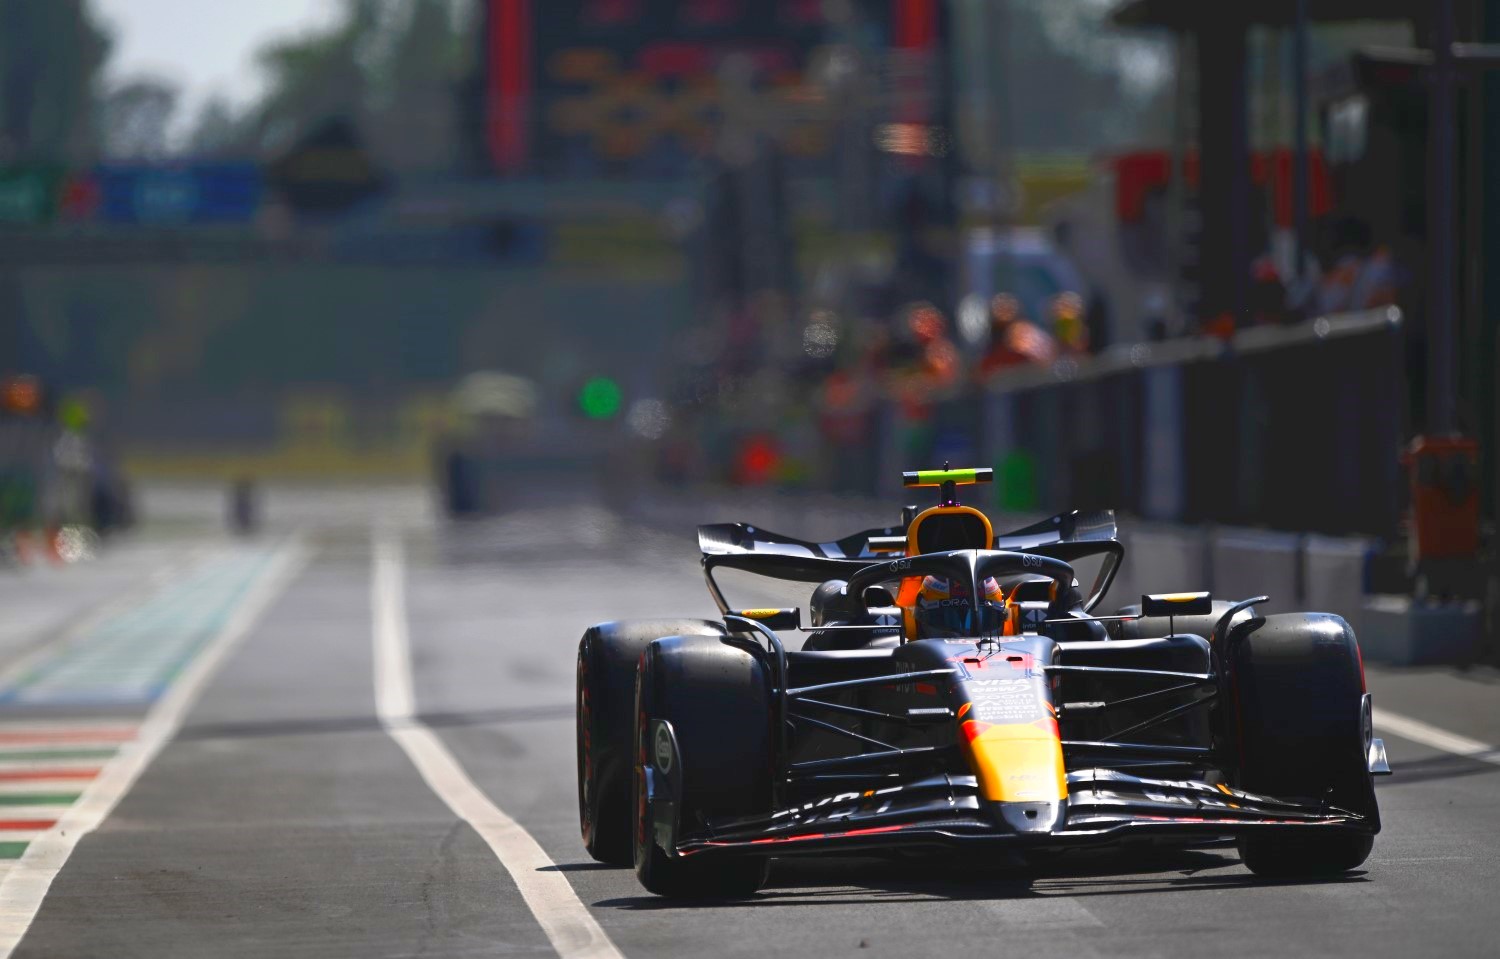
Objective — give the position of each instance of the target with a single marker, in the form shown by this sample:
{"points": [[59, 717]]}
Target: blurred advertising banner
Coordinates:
{"points": [[29, 194], [200, 193]]}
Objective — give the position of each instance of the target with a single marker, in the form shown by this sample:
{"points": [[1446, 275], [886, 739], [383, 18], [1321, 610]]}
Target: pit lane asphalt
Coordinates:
{"points": [[283, 821]]}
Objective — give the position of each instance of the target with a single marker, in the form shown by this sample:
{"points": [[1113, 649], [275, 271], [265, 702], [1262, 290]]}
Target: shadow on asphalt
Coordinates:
{"points": [[1481, 673], [1435, 768], [346, 724], [828, 882], [580, 867]]}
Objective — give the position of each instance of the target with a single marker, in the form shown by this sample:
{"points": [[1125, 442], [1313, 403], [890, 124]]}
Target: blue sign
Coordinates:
{"points": [[165, 195]]}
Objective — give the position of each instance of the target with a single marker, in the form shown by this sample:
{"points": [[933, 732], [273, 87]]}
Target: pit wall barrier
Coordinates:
{"points": [[1293, 428]]}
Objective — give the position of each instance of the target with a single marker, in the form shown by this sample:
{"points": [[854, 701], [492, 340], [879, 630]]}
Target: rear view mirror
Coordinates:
{"points": [[1177, 604], [777, 619]]}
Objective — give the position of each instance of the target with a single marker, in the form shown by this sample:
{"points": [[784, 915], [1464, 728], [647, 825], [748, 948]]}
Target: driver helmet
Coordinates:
{"points": [[943, 609]]}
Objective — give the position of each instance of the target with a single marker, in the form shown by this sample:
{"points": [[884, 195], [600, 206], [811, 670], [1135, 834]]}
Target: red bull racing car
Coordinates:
{"points": [[953, 688]]}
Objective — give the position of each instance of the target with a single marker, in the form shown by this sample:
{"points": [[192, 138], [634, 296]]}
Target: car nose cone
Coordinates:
{"points": [[1028, 818]]}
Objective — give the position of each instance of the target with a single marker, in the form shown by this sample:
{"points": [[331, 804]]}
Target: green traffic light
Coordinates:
{"points": [[600, 398]]}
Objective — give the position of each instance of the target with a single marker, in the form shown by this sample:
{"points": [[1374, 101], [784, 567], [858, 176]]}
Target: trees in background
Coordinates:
{"points": [[390, 68], [51, 55], [315, 77], [216, 129], [136, 117]]}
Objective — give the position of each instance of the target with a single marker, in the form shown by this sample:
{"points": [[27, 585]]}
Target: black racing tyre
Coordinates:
{"points": [[1294, 856], [716, 695], [1298, 689], [607, 658]]}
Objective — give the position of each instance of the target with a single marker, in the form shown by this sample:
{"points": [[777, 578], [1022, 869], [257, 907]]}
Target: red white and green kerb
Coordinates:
{"points": [[44, 769]]}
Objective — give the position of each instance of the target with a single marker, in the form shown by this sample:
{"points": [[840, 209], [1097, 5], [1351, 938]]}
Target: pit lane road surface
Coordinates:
{"points": [[284, 814]]}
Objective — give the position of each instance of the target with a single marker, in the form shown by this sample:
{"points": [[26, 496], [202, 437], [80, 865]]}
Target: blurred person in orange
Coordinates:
{"points": [[1013, 340], [926, 364], [939, 360]]}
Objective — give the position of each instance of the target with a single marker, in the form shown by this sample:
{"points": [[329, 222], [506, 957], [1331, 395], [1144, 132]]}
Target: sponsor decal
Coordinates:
{"points": [[663, 748], [1024, 781], [1006, 712], [806, 808], [1155, 795], [1005, 701]]}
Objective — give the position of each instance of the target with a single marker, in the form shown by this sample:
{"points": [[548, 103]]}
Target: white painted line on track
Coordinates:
{"points": [[1429, 735], [26, 882], [563, 917]]}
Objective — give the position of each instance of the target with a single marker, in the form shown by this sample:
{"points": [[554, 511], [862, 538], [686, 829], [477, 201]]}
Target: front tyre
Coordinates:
{"points": [[1299, 689], [607, 658], [715, 696], [1293, 856]]}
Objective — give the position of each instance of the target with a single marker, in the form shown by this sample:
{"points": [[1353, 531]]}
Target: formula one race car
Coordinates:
{"points": [[954, 690]]}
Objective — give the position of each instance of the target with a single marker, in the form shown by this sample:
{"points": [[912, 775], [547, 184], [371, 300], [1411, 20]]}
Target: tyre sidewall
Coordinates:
{"points": [[716, 696], [605, 702], [1298, 685]]}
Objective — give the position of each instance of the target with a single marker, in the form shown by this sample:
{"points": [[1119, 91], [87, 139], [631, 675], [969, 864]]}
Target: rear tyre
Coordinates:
{"points": [[607, 658], [716, 697], [1299, 688]]}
